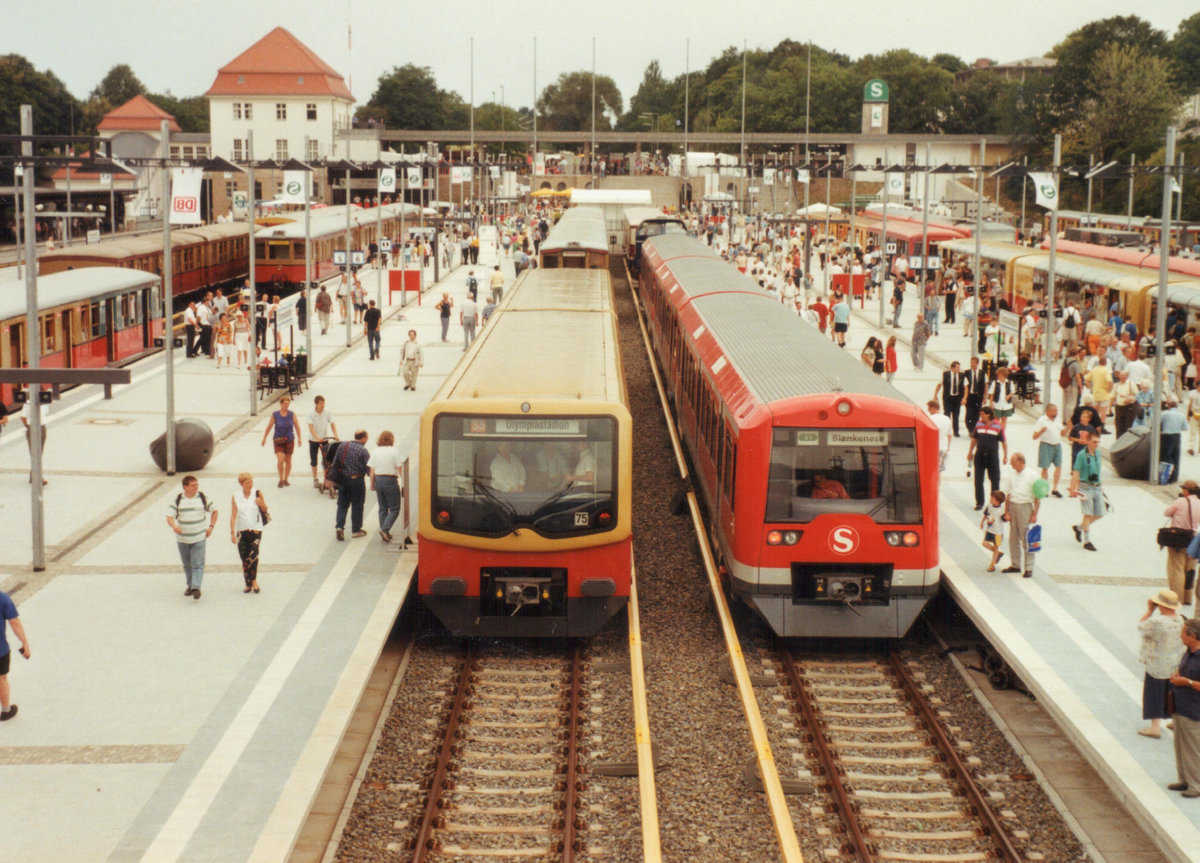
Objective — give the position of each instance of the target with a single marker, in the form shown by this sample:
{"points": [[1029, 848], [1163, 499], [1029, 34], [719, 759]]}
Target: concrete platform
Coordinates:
{"points": [[1070, 632], [155, 727]]}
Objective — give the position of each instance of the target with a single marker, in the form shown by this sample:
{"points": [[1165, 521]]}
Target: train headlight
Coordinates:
{"points": [[774, 537], [443, 517], [791, 537], [905, 538], [844, 408]]}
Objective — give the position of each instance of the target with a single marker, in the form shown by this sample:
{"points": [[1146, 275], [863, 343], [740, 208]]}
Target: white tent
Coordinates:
{"points": [[818, 209]]}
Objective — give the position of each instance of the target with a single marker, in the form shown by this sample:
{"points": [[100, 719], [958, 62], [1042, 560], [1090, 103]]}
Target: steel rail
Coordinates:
{"points": [[647, 791], [846, 809], [979, 804], [425, 832], [785, 830], [571, 801]]}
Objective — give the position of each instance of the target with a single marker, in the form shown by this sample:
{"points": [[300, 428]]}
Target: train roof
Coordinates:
{"points": [[776, 355], [989, 249], [73, 286], [544, 353], [580, 228], [636, 215], [1095, 272], [558, 288], [122, 248], [330, 221], [1133, 257]]}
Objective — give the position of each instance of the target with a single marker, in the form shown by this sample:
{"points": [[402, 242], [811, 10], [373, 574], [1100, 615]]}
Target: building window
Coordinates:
{"points": [[280, 110], [174, 151], [316, 187], [247, 110], [311, 109], [239, 149], [313, 150], [229, 191], [237, 110], [281, 150], [188, 152]]}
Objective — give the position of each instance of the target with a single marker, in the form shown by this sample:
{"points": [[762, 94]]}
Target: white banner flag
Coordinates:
{"points": [[802, 175], [1176, 189], [494, 171], [468, 174], [895, 184], [769, 176], [185, 196], [458, 174], [414, 177], [1046, 190], [293, 187], [387, 181]]}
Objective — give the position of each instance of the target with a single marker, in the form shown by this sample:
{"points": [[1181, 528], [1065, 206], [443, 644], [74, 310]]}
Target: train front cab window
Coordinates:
{"points": [[815, 471], [567, 464]]}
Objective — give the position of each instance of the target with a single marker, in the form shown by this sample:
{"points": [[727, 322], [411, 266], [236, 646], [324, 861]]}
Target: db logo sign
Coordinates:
{"points": [[843, 540], [387, 180], [187, 205], [293, 188]]}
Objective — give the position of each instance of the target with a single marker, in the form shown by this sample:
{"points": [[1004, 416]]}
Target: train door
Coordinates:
{"points": [[109, 305], [68, 337]]}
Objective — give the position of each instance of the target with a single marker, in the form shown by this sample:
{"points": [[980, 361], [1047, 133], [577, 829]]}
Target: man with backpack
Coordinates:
{"points": [[187, 516], [1070, 379], [472, 285]]}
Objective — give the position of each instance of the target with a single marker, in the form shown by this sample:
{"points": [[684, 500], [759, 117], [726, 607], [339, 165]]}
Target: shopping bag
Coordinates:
{"points": [[1164, 472], [1033, 538]]}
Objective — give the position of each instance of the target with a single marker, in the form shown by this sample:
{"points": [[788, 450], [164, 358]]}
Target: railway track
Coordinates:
{"points": [[897, 783], [506, 784]]}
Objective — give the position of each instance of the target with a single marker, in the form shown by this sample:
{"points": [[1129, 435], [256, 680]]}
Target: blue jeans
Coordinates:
{"points": [[387, 492], [192, 555], [352, 494], [373, 343]]}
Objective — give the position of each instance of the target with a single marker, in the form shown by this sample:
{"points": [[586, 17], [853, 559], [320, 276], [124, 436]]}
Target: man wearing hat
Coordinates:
{"points": [[1159, 653], [1184, 513], [1186, 683]]}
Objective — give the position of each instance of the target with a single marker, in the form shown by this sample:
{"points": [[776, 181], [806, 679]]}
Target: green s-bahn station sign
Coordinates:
{"points": [[876, 90]]}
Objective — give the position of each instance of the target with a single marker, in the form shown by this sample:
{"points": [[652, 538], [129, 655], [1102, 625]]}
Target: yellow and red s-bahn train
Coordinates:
{"points": [[279, 245], [87, 318], [820, 479], [526, 468]]}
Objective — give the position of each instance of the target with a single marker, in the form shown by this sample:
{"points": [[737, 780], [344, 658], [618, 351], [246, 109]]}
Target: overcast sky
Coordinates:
{"points": [[178, 45]]}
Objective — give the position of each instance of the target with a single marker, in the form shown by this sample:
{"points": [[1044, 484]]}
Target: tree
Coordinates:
{"points": [[655, 95], [1075, 54], [191, 113], [1134, 102], [408, 97], [1185, 51], [116, 88], [951, 63], [22, 84], [566, 105]]}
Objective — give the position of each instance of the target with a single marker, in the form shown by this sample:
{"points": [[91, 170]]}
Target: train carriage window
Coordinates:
{"points": [[81, 323], [867, 471], [497, 474], [96, 316], [730, 467], [49, 333]]}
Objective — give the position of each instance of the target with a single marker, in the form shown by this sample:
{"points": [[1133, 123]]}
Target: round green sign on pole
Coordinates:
{"points": [[876, 90]]}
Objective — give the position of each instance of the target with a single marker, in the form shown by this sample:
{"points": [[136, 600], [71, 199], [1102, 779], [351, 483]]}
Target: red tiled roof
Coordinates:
{"points": [[279, 64], [78, 174], [138, 114]]}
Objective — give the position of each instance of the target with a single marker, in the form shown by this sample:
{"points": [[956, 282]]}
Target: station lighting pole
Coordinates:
{"points": [[978, 249], [1047, 378], [1132, 177], [253, 310], [164, 151], [925, 227], [1160, 323], [33, 337], [883, 244], [349, 269], [309, 311]]}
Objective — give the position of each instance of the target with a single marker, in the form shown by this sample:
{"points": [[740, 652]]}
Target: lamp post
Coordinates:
{"points": [[1161, 312], [250, 205], [168, 295]]}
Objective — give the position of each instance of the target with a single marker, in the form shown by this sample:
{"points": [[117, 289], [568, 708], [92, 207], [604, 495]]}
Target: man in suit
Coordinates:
{"points": [[951, 390], [975, 386]]}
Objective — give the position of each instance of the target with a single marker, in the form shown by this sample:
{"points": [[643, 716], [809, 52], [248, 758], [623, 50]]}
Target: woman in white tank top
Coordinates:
{"points": [[245, 527]]}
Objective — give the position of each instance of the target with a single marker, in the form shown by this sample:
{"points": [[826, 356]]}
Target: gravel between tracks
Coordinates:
{"points": [[706, 811]]}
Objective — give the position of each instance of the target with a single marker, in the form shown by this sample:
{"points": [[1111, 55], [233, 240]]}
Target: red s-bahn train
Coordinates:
{"points": [[202, 258], [820, 480], [88, 318]]}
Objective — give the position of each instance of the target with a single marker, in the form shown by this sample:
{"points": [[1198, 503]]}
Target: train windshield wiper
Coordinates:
{"points": [[504, 506]]}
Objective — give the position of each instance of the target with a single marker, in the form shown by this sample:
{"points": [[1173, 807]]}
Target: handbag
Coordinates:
{"points": [[263, 515], [1033, 538], [1177, 537]]}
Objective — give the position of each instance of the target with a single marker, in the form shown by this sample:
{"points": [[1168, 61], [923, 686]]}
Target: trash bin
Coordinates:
{"points": [[193, 445], [1130, 455]]}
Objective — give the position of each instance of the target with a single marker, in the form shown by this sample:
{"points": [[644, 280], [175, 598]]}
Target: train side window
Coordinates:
{"points": [[730, 467], [97, 318], [49, 333], [81, 323]]}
